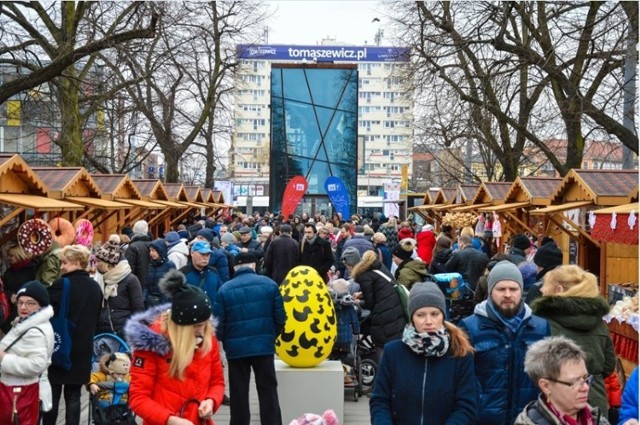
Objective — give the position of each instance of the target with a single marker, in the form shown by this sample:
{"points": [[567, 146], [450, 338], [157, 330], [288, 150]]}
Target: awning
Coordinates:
{"points": [[562, 207], [446, 207], [505, 207], [39, 203], [193, 204], [620, 209], [469, 207], [98, 203], [141, 203], [170, 204]]}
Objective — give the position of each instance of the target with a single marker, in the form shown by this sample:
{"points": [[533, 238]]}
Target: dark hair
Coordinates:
{"points": [[312, 226]]}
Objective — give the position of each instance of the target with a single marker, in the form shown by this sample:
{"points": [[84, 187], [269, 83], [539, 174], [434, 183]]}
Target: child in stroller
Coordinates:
{"points": [[348, 325]]}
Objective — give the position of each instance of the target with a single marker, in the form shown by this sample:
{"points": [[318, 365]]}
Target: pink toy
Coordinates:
{"points": [[84, 232], [328, 418]]}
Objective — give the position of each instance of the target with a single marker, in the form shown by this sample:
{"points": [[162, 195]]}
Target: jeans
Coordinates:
{"points": [[71, 401], [266, 384]]}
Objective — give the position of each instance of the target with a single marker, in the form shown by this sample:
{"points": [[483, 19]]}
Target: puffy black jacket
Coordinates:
{"points": [[117, 310], [138, 257]]}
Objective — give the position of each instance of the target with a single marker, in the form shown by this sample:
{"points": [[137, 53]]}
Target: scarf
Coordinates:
{"points": [[513, 324], [307, 241], [428, 344], [584, 415], [110, 279]]}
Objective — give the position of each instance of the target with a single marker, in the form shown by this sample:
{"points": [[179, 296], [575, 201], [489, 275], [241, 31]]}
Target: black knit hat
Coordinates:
{"points": [[522, 242], [404, 249], [35, 290], [189, 304], [548, 256]]}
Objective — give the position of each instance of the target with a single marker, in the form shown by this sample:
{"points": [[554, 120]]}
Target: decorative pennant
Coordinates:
{"points": [[614, 221], [592, 219], [293, 193], [631, 221], [338, 195]]}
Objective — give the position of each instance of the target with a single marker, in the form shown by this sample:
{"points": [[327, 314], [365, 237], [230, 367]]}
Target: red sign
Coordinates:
{"points": [[293, 194]]}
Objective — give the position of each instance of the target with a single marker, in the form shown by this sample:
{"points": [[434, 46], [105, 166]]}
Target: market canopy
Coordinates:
{"points": [[39, 203], [560, 208], [536, 191], [17, 177], [64, 182], [602, 187], [617, 224]]}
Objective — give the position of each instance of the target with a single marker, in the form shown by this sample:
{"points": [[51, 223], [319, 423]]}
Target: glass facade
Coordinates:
{"points": [[314, 131]]}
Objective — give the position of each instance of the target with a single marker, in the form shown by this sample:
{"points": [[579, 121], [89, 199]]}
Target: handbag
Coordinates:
{"points": [[197, 403], [62, 331]]}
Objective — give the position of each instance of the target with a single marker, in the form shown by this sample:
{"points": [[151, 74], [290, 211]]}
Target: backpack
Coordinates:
{"points": [[5, 307], [403, 294]]}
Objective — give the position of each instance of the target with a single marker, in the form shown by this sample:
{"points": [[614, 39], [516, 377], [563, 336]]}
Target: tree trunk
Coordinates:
{"points": [[172, 171], [70, 141]]}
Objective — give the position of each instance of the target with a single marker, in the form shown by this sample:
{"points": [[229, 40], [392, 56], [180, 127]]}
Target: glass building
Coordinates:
{"points": [[314, 126]]}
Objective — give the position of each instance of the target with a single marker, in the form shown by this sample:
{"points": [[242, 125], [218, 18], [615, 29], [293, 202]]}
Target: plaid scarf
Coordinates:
{"points": [[428, 344]]}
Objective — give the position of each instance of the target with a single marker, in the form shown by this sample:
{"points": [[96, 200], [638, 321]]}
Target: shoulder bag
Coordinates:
{"points": [[62, 331]]}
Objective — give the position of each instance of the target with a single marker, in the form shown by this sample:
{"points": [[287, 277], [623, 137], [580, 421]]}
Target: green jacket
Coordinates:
{"points": [[49, 269], [581, 320], [411, 272], [537, 413]]}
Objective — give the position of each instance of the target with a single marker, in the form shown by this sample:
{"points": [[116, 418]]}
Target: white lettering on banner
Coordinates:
{"points": [[259, 50], [358, 54], [332, 187], [299, 187]]}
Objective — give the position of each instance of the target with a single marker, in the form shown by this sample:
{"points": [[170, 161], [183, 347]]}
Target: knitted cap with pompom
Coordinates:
{"points": [[110, 251]]}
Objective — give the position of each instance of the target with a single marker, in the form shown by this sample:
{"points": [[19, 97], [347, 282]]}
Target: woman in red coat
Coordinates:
{"points": [[176, 358]]}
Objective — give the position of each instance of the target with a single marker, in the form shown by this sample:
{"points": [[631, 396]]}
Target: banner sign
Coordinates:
{"points": [[391, 193], [323, 53], [338, 195], [293, 193]]}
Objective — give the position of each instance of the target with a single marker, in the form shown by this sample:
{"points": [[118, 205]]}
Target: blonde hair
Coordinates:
{"points": [[575, 282], [467, 231], [183, 343], [19, 253], [79, 253], [460, 344]]}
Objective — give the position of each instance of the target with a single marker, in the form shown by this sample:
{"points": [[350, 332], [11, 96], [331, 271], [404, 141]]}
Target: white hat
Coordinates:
{"points": [[427, 227]]}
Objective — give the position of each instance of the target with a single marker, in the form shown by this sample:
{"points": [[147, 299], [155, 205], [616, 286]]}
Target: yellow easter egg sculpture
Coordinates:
{"points": [[311, 327]]}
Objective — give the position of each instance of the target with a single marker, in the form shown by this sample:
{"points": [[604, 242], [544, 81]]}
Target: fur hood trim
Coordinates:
{"points": [[141, 336], [367, 262], [572, 312]]}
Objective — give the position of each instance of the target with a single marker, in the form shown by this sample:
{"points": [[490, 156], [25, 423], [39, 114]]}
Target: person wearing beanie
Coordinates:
{"points": [[138, 252], [176, 357], [198, 272], [86, 298], [572, 304], [377, 294], [547, 258], [404, 233], [158, 267], [408, 270], [426, 241], [114, 367], [520, 248], [177, 250], [433, 357], [501, 328], [250, 312], [25, 352], [121, 289], [218, 259]]}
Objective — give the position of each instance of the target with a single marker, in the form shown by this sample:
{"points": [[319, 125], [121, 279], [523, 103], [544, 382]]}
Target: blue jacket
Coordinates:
{"points": [[208, 280], [250, 315], [218, 259], [413, 389], [505, 389], [629, 408], [157, 269]]}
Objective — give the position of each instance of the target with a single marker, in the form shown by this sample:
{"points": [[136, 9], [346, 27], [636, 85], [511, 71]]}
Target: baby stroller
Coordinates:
{"points": [[365, 355], [457, 293], [115, 411]]}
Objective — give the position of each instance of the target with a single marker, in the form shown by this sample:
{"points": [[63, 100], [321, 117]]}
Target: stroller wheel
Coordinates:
{"points": [[367, 371]]}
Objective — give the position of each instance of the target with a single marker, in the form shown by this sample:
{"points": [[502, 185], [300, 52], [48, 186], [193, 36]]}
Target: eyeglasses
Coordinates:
{"points": [[29, 304], [575, 384]]}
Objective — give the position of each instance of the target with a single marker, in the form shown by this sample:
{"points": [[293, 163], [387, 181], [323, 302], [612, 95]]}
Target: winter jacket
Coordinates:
{"points": [[439, 261], [153, 394], [580, 319], [282, 255], [629, 407], [517, 255], [391, 233], [414, 389], [157, 269], [26, 362], [116, 310], [385, 252], [16, 276], [318, 255], [250, 315], [348, 323], [379, 295], [49, 265], [179, 255], [84, 310], [410, 272], [219, 261], [537, 413], [138, 257], [360, 243], [499, 359], [470, 263], [206, 279], [426, 242], [253, 247]]}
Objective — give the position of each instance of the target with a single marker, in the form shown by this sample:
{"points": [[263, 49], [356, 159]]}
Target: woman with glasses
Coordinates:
{"points": [[557, 365], [573, 306]]}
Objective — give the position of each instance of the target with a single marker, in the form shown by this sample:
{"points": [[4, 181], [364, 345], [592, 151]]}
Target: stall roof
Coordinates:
{"points": [[436, 197], [449, 194], [170, 204], [505, 207], [116, 186], [104, 204], [619, 209], [602, 187], [150, 189], [68, 181], [492, 192], [176, 191], [561, 207], [535, 190], [39, 203], [193, 193], [471, 207], [467, 192], [207, 196], [17, 177], [141, 203]]}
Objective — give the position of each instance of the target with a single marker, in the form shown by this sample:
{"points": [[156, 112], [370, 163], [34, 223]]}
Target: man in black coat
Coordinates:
{"points": [[282, 255], [316, 252], [249, 245], [467, 261], [138, 252]]}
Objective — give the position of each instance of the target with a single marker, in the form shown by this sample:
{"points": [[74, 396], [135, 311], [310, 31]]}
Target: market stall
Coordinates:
{"points": [[152, 190]]}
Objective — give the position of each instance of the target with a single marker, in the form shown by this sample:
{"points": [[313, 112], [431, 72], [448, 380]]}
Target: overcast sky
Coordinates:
{"points": [[308, 22]]}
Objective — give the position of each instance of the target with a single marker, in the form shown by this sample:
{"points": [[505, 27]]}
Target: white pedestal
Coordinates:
{"points": [[310, 390]]}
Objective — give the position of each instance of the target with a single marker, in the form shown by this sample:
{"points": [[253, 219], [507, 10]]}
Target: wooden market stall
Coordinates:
{"points": [[432, 211], [177, 194], [23, 194], [617, 230], [580, 193], [152, 190]]}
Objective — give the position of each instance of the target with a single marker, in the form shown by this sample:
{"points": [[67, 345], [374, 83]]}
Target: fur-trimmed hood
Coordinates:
{"points": [[368, 262], [572, 312]]}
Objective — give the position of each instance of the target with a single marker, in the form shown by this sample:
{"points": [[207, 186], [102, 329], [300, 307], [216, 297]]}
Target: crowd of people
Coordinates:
{"points": [[523, 342]]}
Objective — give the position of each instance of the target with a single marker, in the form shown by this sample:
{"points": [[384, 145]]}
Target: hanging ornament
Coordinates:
{"points": [[631, 221], [614, 222], [592, 219]]}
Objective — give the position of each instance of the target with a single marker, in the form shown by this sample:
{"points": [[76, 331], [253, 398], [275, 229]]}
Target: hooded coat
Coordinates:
{"points": [[179, 254], [440, 259], [138, 257], [380, 296], [157, 269], [153, 394], [426, 242], [580, 319], [410, 272]]}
